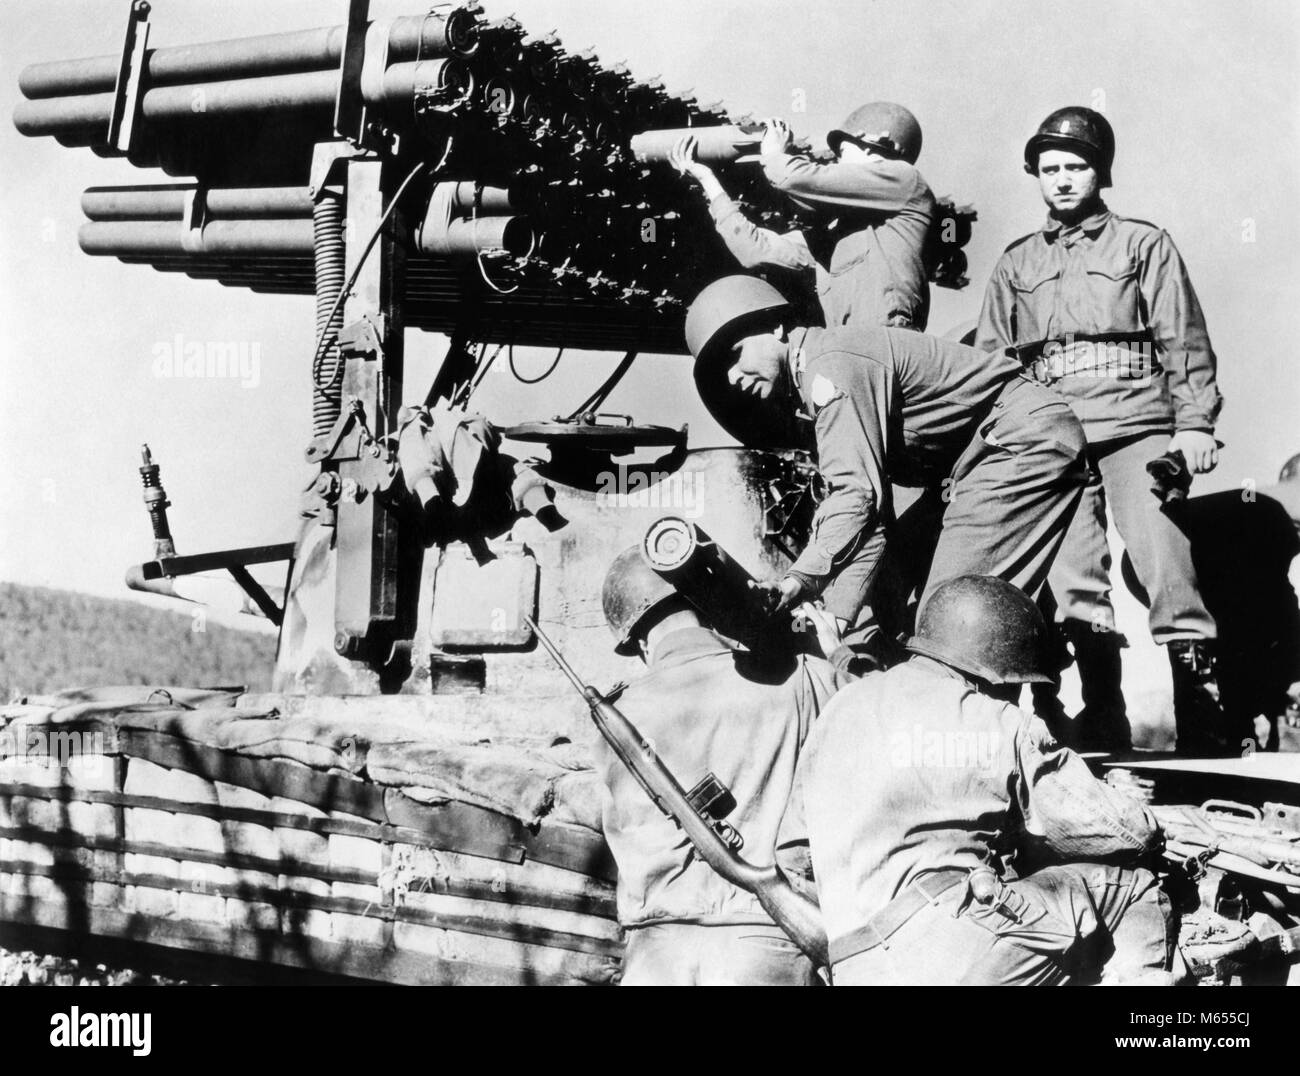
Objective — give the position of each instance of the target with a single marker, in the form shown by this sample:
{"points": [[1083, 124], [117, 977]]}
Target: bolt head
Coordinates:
{"points": [[347, 644]]}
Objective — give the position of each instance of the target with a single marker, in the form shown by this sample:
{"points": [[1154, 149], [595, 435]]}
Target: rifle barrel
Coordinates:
{"points": [[559, 658]]}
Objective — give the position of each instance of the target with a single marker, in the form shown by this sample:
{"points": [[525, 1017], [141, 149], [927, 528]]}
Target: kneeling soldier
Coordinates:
{"points": [[923, 785]]}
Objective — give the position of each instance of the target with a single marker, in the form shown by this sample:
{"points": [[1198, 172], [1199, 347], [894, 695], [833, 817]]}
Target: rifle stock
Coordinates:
{"points": [[793, 912]]}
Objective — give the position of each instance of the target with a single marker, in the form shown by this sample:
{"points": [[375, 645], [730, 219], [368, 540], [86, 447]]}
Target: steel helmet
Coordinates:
{"points": [[719, 317], [726, 307], [631, 590], [1080, 130], [1289, 469], [882, 125], [986, 627]]}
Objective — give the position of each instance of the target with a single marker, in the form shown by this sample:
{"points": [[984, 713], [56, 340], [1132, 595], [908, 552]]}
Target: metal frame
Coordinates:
{"points": [[366, 583], [235, 561], [130, 78]]}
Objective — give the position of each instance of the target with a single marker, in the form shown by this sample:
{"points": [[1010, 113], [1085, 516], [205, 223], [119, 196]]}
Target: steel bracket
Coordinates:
{"points": [[234, 561], [327, 161], [362, 339], [123, 119]]}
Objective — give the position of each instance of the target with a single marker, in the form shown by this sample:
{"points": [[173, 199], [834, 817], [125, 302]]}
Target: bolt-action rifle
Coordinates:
{"points": [[793, 912]]}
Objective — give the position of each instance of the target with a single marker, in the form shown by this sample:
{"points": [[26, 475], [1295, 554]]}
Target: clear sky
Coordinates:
{"points": [[1203, 96]]}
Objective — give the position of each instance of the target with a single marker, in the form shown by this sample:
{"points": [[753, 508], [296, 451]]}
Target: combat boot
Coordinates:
{"points": [[1049, 709], [1046, 697], [1201, 725], [1102, 724]]}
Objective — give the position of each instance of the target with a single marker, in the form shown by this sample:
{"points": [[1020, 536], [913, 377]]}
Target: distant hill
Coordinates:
{"points": [[56, 639]]}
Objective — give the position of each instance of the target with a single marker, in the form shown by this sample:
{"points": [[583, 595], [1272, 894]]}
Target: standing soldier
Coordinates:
{"points": [[894, 406], [708, 708], [874, 207], [1100, 307]]}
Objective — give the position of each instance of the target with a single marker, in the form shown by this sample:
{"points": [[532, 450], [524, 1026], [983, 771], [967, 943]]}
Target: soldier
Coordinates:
{"points": [[1100, 307], [875, 206], [869, 269], [707, 708], [890, 405], [920, 785]]}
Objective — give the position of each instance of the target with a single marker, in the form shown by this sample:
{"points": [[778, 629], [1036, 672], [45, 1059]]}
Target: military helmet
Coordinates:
{"points": [[720, 316], [724, 309], [631, 590], [1290, 469], [882, 125], [986, 627], [1079, 130]]}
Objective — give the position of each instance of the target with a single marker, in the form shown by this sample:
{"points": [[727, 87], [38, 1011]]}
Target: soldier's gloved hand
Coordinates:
{"points": [[1199, 448], [777, 136]]}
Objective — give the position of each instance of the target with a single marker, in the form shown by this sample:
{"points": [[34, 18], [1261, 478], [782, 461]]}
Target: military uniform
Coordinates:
{"points": [[891, 405], [915, 789], [871, 271], [1105, 314], [707, 708]]}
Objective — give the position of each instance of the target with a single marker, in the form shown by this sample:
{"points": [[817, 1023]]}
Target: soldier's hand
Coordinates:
{"points": [[685, 157], [1130, 784], [781, 596], [1199, 448], [823, 625], [777, 136]]}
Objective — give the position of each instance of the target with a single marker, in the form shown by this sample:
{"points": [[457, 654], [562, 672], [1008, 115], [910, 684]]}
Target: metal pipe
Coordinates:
{"points": [[272, 94], [275, 237], [492, 201], [409, 37], [717, 145], [411, 82], [227, 237], [477, 236], [172, 202]]}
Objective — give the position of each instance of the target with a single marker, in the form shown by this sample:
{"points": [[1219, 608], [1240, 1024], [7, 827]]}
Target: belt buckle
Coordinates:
{"points": [[1043, 372], [883, 942], [998, 900]]}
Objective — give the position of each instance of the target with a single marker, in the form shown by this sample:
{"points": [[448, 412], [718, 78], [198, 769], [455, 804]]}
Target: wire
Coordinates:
{"points": [[601, 394], [471, 384], [322, 343], [478, 253], [535, 380]]}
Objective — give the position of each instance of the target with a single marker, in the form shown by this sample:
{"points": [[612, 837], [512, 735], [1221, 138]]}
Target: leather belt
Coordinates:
{"points": [[927, 889], [1047, 360]]}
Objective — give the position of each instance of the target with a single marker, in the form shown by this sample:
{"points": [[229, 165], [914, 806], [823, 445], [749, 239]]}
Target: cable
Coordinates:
{"points": [[370, 245], [536, 380], [471, 384], [478, 253], [601, 394]]}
